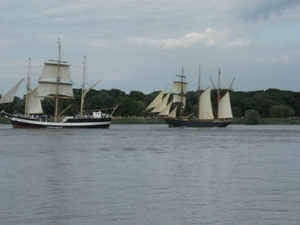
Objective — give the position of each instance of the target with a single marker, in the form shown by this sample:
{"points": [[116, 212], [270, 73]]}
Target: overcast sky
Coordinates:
{"points": [[142, 45]]}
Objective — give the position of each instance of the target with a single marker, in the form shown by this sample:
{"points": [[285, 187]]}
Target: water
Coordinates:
{"points": [[150, 174]]}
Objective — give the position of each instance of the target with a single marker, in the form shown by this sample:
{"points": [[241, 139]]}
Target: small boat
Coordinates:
{"points": [[173, 111], [55, 82]]}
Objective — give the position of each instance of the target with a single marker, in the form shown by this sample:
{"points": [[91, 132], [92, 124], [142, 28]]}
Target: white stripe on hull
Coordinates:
{"points": [[19, 123]]}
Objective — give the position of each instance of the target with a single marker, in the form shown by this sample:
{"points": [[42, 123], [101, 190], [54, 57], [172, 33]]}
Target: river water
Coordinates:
{"points": [[150, 174]]}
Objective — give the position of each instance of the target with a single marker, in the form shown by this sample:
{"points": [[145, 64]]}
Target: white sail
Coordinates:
{"points": [[162, 104], [34, 103], [173, 113], [205, 109], [157, 100], [9, 96], [48, 80], [177, 85], [225, 107], [177, 98], [166, 110]]}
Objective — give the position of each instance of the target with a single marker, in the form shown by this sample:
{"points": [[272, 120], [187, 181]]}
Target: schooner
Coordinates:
{"points": [[172, 111]]}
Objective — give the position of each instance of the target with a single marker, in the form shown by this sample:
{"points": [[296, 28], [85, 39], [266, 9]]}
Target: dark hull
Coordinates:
{"points": [[195, 123], [18, 124], [70, 123]]}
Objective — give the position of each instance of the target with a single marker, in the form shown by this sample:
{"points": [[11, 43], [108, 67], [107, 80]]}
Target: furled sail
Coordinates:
{"points": [[9, 96], [162, 104], [51, 76], [34, 103], [157, 100], [205, 109], [225, 107]]}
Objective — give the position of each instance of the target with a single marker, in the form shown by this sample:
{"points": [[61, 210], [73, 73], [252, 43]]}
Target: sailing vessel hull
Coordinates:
{"points": [[73, 123], [55, 82], [195, 123]]}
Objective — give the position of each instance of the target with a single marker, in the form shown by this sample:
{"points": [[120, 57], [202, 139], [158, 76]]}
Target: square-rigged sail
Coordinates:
{"points": [[55, 80]]}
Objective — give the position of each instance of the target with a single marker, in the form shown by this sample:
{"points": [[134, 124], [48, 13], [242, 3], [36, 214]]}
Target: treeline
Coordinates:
{"points": [[272, 103]]}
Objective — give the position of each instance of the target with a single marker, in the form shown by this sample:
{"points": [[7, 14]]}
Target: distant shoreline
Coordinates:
{"points": [[144, 120], [263, 121]]}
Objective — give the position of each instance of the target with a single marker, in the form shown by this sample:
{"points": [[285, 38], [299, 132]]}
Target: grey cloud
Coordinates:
{"points": [[263, 10]]}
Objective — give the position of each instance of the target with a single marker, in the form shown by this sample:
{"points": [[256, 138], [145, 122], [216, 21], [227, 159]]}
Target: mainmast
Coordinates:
{"points": [[57, 81], [27, 89], [219, 96], [82, 90], [198, 102], [181, 94]]}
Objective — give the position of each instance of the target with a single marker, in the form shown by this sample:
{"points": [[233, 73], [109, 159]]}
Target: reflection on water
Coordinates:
{"points": [[150, 174]]}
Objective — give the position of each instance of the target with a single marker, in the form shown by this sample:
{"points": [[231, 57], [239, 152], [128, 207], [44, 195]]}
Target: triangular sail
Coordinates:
{"points": [[157, 100], [162, 104], [173, 113], [225, 107], [34, 103], [9, 96], [48, 81], [205, 109], [166, 110]]}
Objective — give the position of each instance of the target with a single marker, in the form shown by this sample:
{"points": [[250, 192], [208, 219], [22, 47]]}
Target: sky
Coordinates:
{"points": [[139, 45]]}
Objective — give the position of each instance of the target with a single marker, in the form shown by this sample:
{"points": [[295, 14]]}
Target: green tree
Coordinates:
{"points": [[48, 105], [129, 107], [19, 105], [281, 111], [191, 103], [137, 95], [263, 107], [237, 112], [251, 117]]}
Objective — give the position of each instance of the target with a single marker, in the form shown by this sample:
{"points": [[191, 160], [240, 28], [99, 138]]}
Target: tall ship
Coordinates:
{"points": [[172, 111], [55, 82]]}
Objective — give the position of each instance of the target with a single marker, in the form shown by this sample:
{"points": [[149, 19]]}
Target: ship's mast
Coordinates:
{"points": [[85, 91], [57, 81], [181, 94], [198, 102], [219, 96], [27, 89], [82, 90]]}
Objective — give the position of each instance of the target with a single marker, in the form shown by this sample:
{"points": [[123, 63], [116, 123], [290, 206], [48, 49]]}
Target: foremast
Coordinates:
{"points": [[198, 102], [182, 93], [27, 89], [85, 91], [57, 82], [224, 105], [219, 95], [82, 90]]}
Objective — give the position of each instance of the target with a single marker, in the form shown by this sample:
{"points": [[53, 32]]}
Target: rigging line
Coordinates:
{"points": [[53, 53], [15, 74]]}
